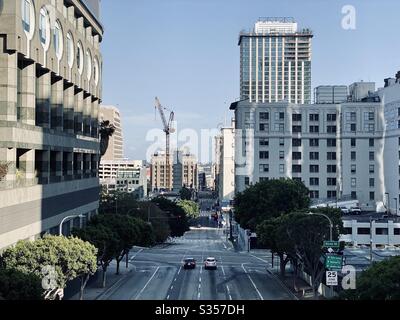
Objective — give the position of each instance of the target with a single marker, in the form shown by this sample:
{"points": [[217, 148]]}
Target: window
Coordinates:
{"points": [[296, 168], [314, 143], [314, 117], [281, 168], [369, 116], [58, 40], [353, 169], [372, 168], [331, 181], [264, 155], [26, 15], [296, 156], [314, 155], [331, 168], [382, 231], [351, 116], [79, 58], [264, 127], [372, 196], [397, 232], [372, 156], [354, 195], [331, 155], [348, 231], [296, 129], [281, 155], [314, 168], [279, 127], [331, 194], [264, 142], [331, 143], [331, 117], [331, 129], [314, 194], [353, 156], [44, 28], [246, 181], [363, 231], [279, 116], [314, 129], [96, 71], [371, 143], [264, 168], [372, 182], [88, 65], [296, 117], [353, 127], [70, 50], [264, 116], [314, 182], [296, 142], [353, 143], [282, 142], [353, 182]]}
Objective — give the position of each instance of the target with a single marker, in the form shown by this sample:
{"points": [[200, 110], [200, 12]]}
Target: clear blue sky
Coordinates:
{"points": [[185, 52]]}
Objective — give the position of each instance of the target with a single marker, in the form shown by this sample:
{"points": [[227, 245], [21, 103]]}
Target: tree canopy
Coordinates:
{"points": [[185, 194], [269, 199], [17, 286], [191, 208]]}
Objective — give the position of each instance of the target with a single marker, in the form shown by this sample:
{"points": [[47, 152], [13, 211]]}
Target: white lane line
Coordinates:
{"points": [[201, 270], [133, 257], [179, 271], [168, 297], [175, 279], [254, 285], [223, 271], [144, 288], [172, 287]]}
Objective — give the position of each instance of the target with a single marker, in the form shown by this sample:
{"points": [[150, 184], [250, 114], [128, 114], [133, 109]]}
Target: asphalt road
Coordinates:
{"points": [[158, 272]]}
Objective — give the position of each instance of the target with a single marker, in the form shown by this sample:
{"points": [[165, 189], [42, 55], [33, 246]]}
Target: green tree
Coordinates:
{"points": [[269, 199], [17, 286], [106, 131], [70, 258], [185, 194], [191, 208], [380, 282], [106, 240]]}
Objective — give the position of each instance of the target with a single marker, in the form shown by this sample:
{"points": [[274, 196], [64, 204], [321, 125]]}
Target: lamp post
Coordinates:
{"points": [[330, 223], [68, 218]]}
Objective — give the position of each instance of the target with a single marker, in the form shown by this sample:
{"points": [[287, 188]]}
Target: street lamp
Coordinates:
{"points": [[330, 223], [68, 218]]}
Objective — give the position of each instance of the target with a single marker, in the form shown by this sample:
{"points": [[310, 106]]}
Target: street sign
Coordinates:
{"points": [[332, 244], [332, 278], [334, 262]]}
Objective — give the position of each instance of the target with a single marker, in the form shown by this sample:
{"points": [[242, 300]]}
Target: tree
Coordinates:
{"points": [[185, 194], [191, 208], [106, 240], [269, 199], [380, 282], [57, 259], [106, 131], [17, 286]]}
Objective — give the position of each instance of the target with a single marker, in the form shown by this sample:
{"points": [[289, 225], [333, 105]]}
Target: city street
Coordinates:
{"points": [[158, 274]]}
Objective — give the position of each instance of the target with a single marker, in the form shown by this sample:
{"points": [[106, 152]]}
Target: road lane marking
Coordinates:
{"points": [[172, 287], [254, 285], [144, 288], [179, 271], [175, 279], [133, 257], [223, 271]]}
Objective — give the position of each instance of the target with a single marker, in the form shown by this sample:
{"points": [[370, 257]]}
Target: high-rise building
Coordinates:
{"points": [[340, 151], [184, 171], [50, 90], [115, 150], [226, 164], [331, 94], [275, 62]]}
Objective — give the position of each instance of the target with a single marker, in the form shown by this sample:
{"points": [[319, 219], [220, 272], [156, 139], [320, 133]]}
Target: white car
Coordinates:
{"points": [[344, 210], [210, 263], [355, 210]]}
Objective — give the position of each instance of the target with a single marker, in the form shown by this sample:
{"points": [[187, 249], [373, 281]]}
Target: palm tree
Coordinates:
{"points": [[106, 131]]}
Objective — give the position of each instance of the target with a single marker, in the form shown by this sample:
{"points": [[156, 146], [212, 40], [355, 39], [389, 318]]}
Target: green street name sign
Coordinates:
{"points": [[332, 244], [334, 263]]}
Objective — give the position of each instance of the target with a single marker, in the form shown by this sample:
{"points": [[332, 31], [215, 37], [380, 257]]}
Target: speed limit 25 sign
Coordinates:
{"points": [[332, 278]]}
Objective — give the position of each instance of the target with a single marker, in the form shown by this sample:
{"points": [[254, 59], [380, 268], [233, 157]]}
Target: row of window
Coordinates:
{"points": [[264, 168], [264, 142], [314, 117], [28, 22], [331, 156]]}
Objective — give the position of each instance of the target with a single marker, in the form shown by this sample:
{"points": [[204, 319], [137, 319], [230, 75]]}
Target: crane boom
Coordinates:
{"points": [[163, 118]]}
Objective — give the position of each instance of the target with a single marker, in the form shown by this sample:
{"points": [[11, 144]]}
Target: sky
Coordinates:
{"points": [[186, 53]]}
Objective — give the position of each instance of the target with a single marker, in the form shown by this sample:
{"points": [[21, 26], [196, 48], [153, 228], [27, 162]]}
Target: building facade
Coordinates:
{"points": [[50, 90], [337, 150], [275, 62], [226, 177], [183, 172], [115, 150], [330, 94], [125, 176]]}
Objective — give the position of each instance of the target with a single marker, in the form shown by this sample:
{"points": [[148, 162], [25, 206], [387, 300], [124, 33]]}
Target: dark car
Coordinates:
{"points": [[189, 263]]}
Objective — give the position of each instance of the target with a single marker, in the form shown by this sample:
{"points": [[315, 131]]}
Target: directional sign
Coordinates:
{"points": [[332, 278], [332, 244], [334, 262]]}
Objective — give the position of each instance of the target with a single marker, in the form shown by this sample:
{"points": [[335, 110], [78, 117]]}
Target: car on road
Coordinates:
{"points": [[356, 211], [210, 263], [344, 210], [189, 263]]}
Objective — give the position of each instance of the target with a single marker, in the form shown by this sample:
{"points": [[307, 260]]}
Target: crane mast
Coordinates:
{"points": [[168, 129]]}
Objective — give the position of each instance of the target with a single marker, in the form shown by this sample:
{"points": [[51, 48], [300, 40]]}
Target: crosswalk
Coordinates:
{"points": [[196, 241]]}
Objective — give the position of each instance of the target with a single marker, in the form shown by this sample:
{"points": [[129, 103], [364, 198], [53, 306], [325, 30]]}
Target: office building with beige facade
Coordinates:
{"points": [[50, 90], [115, 149]]}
